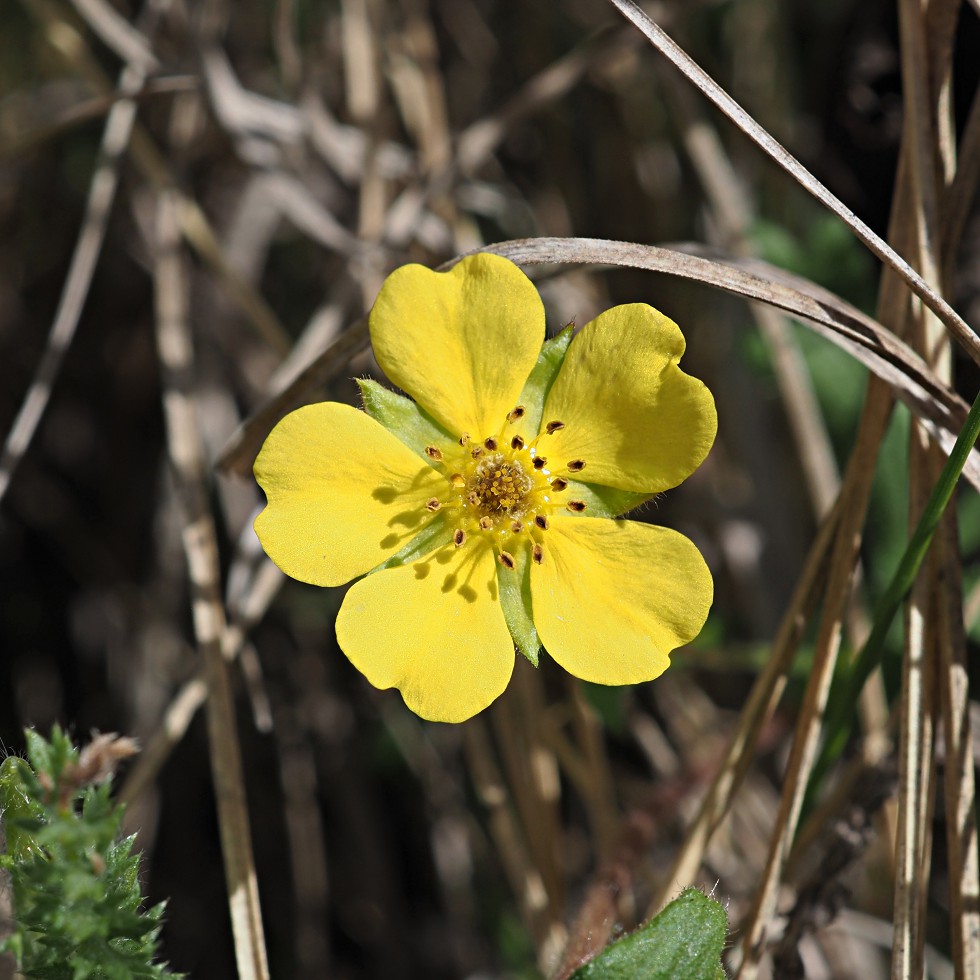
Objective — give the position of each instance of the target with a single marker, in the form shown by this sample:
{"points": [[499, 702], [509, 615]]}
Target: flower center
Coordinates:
{"points": [[503, 489], [499, 488]]}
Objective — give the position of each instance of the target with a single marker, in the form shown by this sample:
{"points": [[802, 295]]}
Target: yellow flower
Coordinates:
{"points": [[480, 508]]}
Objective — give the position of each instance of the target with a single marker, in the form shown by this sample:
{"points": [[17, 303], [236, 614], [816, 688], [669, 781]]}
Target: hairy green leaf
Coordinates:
{"points": [[684, 942]]}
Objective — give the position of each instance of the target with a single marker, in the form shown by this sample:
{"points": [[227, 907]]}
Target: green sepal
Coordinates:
{"points": [[514, 586], [402, 417], [684, 942], [435, 535], [603, 501], [542, 377]]}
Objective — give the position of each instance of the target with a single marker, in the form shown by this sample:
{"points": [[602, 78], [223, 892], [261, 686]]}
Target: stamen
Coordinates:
{"points": [[537, 554], [458, 480], [558, 484], [433, 504], [459, 536], [515, 414], [477, 453], [507, 560], [540, 462], [516, 527], [517, 442], [464, 438], [576, 506], [490, 443], [542, 522], [433, 453], [486, 522], [552, 427], [576, 466]]}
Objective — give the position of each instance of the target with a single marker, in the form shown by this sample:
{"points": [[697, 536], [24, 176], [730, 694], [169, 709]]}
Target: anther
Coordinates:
{"points": [[558, 484], [433, 453], [516, 527], [490, 443], [477, 453], [515, 414], [486, 523], [459, 536], [542, 522], [517, 442], [540, 462], [507, 560], [576, 466], [552, 427], [464, 438], [433, 504], [537, 554], [458, 481], [576, 506]]}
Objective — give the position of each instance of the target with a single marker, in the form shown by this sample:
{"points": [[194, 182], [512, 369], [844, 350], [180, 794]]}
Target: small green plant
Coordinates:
{"points": [[76, 897], [684, 942]]}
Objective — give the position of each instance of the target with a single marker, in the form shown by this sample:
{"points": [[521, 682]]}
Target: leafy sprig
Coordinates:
{"points": [[75, 884]]}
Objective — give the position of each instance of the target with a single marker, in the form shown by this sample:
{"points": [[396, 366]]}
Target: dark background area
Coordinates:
{"points": [[373, 852]]}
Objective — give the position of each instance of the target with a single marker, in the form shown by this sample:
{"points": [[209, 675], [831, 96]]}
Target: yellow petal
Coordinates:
{"points": [[343, 494], [611, 599], [434, 630], [639, 422], [461, 343]]}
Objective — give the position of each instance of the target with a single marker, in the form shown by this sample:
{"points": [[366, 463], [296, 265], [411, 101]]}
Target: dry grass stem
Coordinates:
{"points": [[200, 544], [663, 43]]}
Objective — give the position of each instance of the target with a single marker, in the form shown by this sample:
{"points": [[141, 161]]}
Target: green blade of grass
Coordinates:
{"points": [[842, 703]]}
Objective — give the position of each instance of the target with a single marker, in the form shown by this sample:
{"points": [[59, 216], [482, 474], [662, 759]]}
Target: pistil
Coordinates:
{"points": [[501, 488]]}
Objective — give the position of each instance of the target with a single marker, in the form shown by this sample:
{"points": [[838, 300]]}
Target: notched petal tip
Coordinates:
{"points": [[434, 630], [460, 342], [640, 422], [614, 598], [343, 494]]}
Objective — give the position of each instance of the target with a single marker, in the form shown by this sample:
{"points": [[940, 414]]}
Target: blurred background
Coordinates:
{"points": [[314, 145]]}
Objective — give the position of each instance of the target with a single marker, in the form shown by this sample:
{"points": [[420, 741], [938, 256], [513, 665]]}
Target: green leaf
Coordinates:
{"points": [[542, 377], [75, 886], [684, 942], [514, 585], [604, 501], [401, 417]]}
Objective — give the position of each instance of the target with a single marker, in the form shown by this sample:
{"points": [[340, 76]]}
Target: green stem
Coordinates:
{"points": [[840, 713]]}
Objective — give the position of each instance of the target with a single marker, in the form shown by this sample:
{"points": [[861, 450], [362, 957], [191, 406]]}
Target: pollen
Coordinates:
{"points": [[501, 489], [576, 466]]}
